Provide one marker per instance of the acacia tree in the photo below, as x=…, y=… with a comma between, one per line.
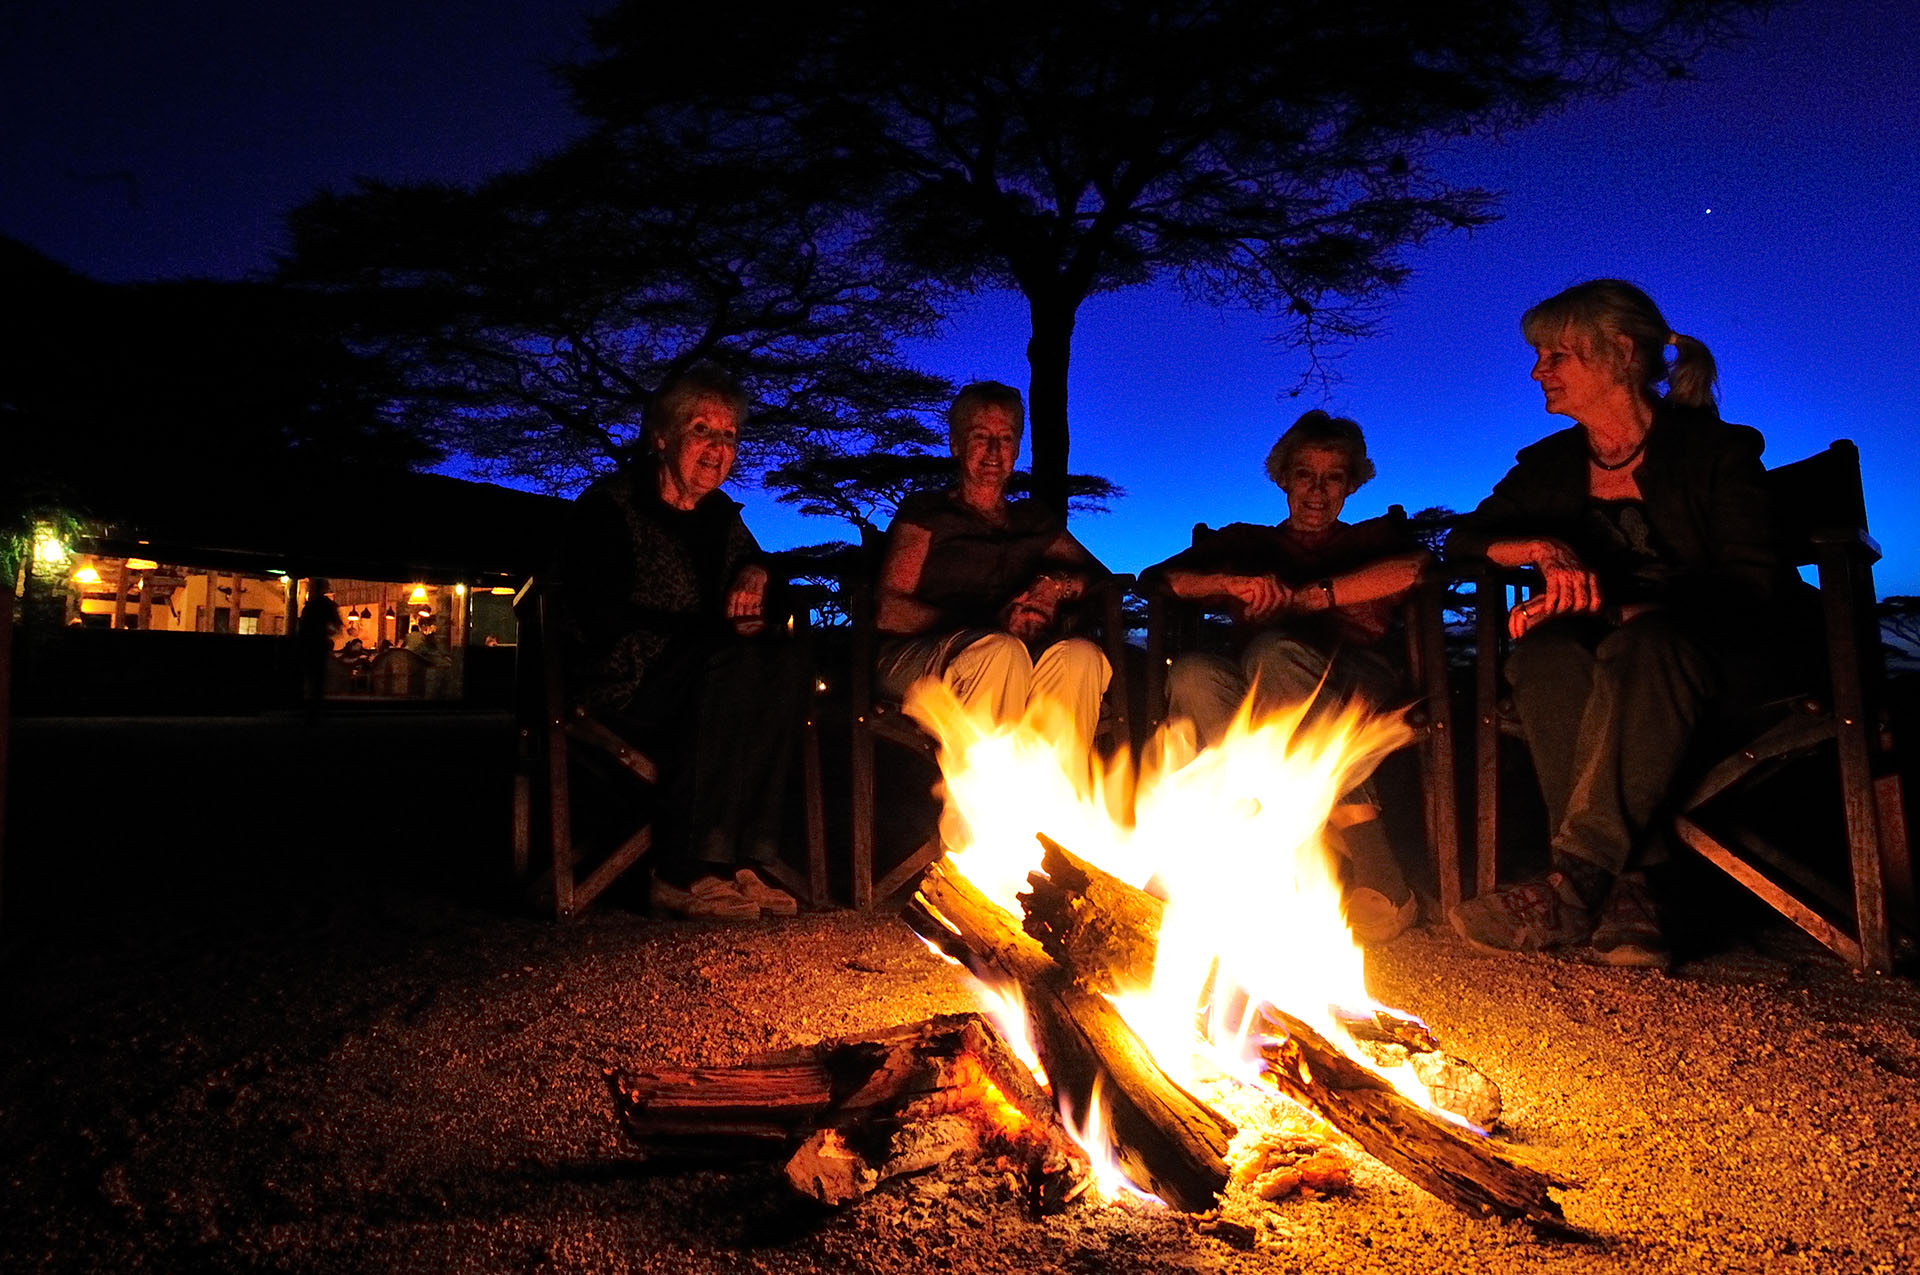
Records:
x=531, y=318
x=1267, y=155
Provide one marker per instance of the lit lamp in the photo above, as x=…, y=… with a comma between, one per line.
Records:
x=86, y=575
x=47, y=548
x=419, y=593
x=459, y=590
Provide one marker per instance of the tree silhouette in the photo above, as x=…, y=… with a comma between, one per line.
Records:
x=531, y=318
x=1269, y=156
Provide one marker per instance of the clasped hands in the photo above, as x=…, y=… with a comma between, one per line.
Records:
x=1033, y=609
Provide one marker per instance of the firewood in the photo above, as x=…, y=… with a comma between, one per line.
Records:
x=851, y=1113
x=1166, y=1141
x=1464, y=1169
x=1468, y=1171
x=1106, y=931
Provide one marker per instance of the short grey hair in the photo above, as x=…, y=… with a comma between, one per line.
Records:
x=679, y=398
x=977, y=397
x=1317, y=429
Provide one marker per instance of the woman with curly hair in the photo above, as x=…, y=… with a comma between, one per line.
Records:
x=1312, y=600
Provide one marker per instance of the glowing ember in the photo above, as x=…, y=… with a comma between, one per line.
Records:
x=1232, y=838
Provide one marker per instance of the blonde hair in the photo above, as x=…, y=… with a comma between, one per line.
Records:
x=1598, y=310
x=1317, y=429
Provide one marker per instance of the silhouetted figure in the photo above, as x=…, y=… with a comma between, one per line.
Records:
x=320, y=623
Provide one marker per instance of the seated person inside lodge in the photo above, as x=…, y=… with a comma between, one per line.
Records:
x=1311, y=599
x=971, y=583
x=1664, y=602
x=666, y=594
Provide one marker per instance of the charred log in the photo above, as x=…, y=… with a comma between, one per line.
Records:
x=848, y=1114
x=1167, y=1141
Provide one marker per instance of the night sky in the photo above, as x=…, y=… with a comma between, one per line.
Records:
x=1769, y=206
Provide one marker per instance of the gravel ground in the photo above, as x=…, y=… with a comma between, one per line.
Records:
x=387, y=1079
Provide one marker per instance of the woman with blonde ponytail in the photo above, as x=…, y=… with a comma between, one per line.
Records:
x=1662, y=601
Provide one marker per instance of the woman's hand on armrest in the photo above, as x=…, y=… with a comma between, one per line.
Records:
x=747, y=600
x=1569, y=587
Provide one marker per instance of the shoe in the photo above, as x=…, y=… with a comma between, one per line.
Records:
x=708, y=899
x=1528, y=917
x=1628, y=935
x=771, y=898
x=1373, y=919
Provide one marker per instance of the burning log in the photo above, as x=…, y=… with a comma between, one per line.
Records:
x=862, y=1110
x=1106, y=931
x=1166, y=1141
x=1469, y=1172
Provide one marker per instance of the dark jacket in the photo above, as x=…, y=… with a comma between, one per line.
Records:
x=641, y=575
x=1705, y=498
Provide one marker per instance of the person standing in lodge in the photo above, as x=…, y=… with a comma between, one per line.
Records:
x=1312, y=603
x=320, y=623
x=971, y=583
x=666, y=592
x=1664, y=601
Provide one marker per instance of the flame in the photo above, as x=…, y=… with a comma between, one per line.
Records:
x=1231, y=837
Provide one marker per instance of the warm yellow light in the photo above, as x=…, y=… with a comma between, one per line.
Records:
x=47, y=548
x=459, y=590
x=419, y=593
x=503, y=590
x=86, y=575
x=142, y=564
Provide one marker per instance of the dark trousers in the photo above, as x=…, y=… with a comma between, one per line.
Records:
x=721, y=722
x=1609, y=715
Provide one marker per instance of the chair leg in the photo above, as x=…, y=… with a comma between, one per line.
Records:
x=1490, y=617
x=862, y=830
x=522, y=823
x=1896, y=861
x=560, y=821
x=816, y=812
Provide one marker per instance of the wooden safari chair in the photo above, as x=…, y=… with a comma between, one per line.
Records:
x=1173, y=626
x=879, y=718
x=557, y=734
x=1821, y=511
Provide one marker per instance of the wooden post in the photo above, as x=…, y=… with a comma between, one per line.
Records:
x=120, y=597
x=6, y=726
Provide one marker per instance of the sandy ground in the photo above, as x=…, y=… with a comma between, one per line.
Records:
x=389, y=1080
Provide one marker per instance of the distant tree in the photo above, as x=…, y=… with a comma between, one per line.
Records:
x=1271, y=156
x=1900, y=626
x=530, y=319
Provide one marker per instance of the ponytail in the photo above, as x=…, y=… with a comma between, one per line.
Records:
x=1692, y=378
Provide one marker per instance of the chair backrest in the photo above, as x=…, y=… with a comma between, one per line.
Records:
x=1818, y=499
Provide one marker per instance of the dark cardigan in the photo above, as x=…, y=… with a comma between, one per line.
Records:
x=1704, y=494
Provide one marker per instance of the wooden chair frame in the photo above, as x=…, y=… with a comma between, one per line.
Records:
x=1822, y=511
x=553, y=726
x=874, y=718
x=1431, y=715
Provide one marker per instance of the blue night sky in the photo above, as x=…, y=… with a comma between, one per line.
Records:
x=1769, y=205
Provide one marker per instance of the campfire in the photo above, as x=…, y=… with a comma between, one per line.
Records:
x=1176, y=1006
